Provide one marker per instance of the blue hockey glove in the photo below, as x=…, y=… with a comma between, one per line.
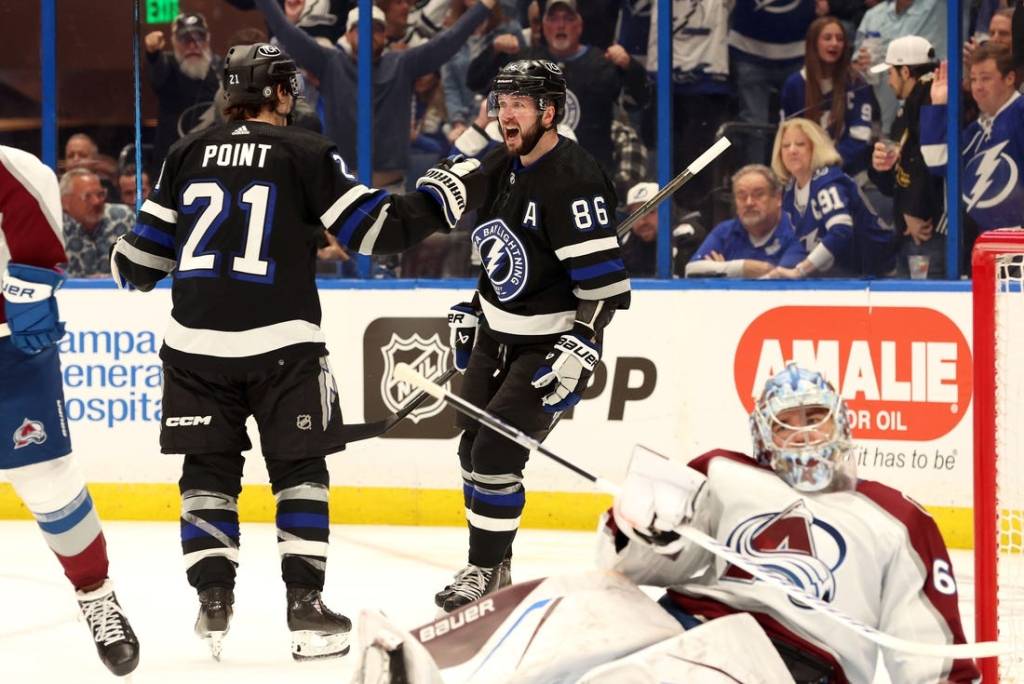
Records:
x=463, y=320
x=567, y=368
x=31, y=307
x=444, y=183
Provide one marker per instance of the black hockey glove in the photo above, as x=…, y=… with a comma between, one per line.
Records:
x=463, y=320
x=566, y=370
x=445, y=183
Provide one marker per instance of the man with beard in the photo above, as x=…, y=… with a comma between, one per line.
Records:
x=552, y=279
x=185, y=81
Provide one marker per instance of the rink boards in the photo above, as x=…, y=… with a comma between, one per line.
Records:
x=678, y=374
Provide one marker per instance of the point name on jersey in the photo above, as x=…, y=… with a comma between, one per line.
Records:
x=235, y=154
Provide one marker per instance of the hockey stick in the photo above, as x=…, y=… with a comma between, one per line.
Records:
x=708, y=156
x=360, y=431
x=988, y=649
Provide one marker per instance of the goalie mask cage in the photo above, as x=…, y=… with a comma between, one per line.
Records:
x=997, y=261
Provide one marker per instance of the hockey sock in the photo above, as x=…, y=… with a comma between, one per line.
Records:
x=209, y=537
x=54, y=491
x=302, y=532
x=496, y=504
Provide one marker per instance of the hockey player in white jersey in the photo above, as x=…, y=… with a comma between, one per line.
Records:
x=797, y=509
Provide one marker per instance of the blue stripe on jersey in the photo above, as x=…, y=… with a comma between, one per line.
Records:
x=511, y=500
x=290, y=520
x=588, y=272
x=358, y=215
x=154, y=235
x=190, y=531
x=66, y=518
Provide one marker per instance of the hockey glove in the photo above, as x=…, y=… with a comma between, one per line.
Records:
x=463, y=320
x=657, y=496
x=566, y=370
x=445, y=184
x=31, y=307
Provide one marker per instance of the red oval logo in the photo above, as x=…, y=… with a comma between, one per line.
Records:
x=904, y=372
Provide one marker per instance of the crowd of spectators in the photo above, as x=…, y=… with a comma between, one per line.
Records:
x=824, y=100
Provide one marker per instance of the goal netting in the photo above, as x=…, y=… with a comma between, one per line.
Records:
x=998, y=275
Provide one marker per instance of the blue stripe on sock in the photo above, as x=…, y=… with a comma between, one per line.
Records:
x=190, y=531
x=70, y=516
x=517, y=498
x=291, y=520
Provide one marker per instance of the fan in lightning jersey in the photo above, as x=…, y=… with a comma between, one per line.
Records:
x=993, y=146
x=800, y=512
x=236, y=217
x=841, y=232
x=552, y=278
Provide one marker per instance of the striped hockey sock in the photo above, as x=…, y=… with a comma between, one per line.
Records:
x=302, y=533
x=73, y=534
x=495, y=505
x=209, y=537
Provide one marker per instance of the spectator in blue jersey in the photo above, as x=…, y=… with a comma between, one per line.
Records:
x=640, y=245
x=766, y=44
x=888, y=20
x=898, y=168
x=702, y=98
x=394, y=75
x=760, y=238
x=838, y=227
x=828, y=91
x=993, y=146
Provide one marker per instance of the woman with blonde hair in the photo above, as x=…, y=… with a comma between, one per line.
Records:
x=838, y=226
x=828, y=91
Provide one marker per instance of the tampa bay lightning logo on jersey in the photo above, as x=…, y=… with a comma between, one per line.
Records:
x=504, y=259
x=991, y=176
x=571, y=118
x=776, y=6
x=29, y=432
x=792, y=546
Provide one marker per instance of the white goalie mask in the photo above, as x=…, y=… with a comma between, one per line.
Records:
x=800, y=429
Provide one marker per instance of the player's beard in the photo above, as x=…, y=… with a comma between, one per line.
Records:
x=528, y=139
x=196, y=66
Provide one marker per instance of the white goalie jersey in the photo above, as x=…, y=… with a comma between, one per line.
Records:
x=871, y=552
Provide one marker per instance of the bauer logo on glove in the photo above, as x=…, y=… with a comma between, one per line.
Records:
x=567, y=370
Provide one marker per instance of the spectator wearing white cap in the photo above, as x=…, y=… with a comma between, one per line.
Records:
x=185, y=81
x=898, y=167
x=640, y=245
x=760, y=238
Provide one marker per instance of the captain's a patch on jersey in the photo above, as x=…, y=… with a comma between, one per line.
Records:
x=504, y=259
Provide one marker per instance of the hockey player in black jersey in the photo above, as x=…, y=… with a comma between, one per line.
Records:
x=552, y=279
x=235, y=218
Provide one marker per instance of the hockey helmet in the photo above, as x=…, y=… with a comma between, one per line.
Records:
x=800, y=428
x=541, y=79
x=252, y=71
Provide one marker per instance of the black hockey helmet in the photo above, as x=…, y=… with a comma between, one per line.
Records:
x=540, y=78
x=252, y=71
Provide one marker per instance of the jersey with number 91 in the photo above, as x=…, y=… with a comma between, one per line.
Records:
x=546, y=239
x=236, y=217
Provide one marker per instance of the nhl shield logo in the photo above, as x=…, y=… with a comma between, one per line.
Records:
x=30, y=432
x=426, y=355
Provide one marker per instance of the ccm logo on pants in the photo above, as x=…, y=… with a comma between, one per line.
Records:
x=187, y=421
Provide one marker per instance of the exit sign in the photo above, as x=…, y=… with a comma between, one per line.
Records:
x=161, y=11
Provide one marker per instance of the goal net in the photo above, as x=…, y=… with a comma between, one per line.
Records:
x=998, y=275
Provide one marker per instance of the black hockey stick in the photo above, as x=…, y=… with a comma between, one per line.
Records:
x=987, y=649
x=708, y=156
x=360, y=431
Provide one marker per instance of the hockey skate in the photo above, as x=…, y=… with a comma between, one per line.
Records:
x=472, y=582
x=505, y=579
x=317, y=631
x=214, y=617
x=116, y=643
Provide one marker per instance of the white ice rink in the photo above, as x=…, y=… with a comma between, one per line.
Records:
x=393, y=569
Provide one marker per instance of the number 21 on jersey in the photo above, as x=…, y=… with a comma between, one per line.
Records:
x=213, y=203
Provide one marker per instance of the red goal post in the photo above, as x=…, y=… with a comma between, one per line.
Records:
x=997, y=262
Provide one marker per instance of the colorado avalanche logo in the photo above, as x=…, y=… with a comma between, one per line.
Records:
x=994, y=175
x=572, y=110
x=793, y=547
x=30, y=432
x=504, y=258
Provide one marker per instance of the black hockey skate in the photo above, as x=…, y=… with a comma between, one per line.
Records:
x=214, y=617
x=317, y=631
x=504, y=579
x=473, y=582
x=116, y=643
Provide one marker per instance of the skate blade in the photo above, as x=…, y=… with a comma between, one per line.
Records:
x=312, y=645
x=215, y=641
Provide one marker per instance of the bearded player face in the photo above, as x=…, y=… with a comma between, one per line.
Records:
x=521, y=123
